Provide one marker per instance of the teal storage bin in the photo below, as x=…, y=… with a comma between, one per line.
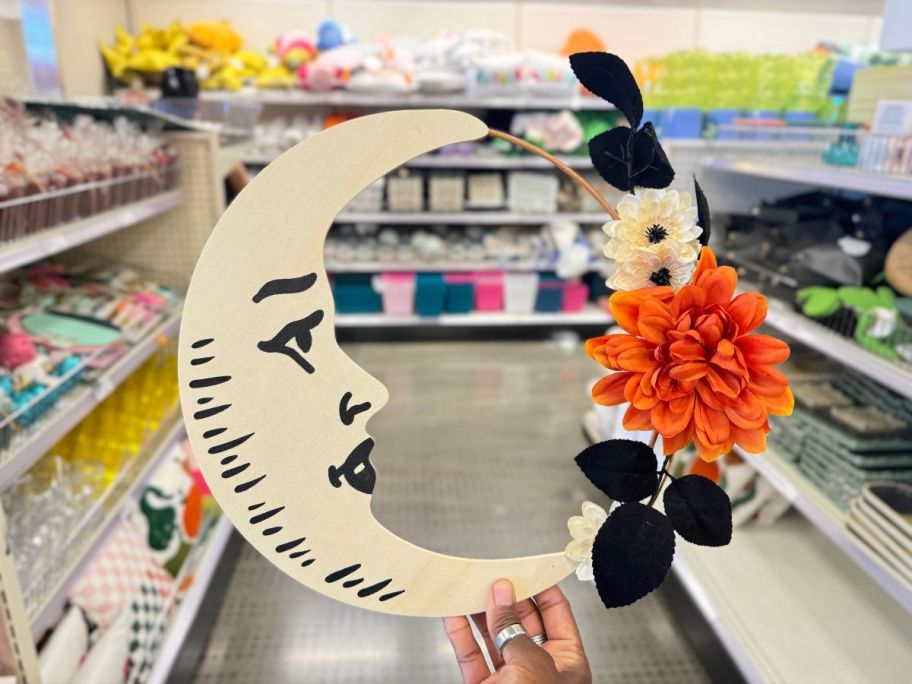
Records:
x=355, y=293
x=460, y=292
x=550, y=294
x=430, y=293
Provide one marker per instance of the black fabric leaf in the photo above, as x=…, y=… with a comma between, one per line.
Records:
x=610, y=155
x=623, y=469
x=650, y=167
x=700, y=510
x=702, y=213
x=631, y=554
x=607, y=76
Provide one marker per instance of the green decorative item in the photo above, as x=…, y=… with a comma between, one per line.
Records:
x=67, y=331
x=819, y=302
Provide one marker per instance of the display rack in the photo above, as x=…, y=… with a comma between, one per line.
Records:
x=121, y=494
x=203, y=570
x=467, y=218
x=591, y=315
x=442, y=266
x=885, y=185
x=840, y=626
x=469, y=162
x=45, y=243
x=72, y=408
x=342, y=98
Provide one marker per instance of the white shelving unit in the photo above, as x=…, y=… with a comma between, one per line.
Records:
x=472, y=162
x=203, y=571
x=591, y=315
x=467, y=218
x=882, y=184
x=79, y=403
x=52, y=241
x=829, y=520
x=441, y=266
x=52, y=605
x=895, y=375
x=343, y=98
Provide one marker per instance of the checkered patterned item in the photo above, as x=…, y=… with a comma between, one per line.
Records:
x=146, y=628
x=116, y=575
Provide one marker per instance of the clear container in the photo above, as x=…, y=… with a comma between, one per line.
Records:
x=520, y=291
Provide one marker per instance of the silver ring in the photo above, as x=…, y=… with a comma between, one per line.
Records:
x=506, y=635
x=538, y=639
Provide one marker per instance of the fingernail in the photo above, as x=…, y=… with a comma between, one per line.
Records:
x=503, y=593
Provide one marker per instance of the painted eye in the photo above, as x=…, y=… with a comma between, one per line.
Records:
x=300, y=333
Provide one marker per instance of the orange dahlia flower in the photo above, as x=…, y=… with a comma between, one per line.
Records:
x=689, y=365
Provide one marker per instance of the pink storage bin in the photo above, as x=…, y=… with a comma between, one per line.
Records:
x=575, y=296
x=398, y=291
x=489, y=290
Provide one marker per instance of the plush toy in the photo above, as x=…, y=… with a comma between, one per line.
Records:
x=331, y=69
x=293, y=48
x=331, y=34
x=215, y=35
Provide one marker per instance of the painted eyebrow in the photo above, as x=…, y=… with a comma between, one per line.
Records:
x=285, y=286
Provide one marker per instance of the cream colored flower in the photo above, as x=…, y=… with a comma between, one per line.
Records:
x=651, y=219
x=583, y=529
x=649, y=267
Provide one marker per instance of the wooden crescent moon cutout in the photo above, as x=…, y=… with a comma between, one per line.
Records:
x=277, y=413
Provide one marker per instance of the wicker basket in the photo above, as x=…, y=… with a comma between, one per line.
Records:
x=446, y=192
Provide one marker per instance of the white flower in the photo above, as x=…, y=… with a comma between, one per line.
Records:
x=652, y=219
x=648, y=267
x=583, y=529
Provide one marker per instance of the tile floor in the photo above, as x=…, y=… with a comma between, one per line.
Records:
x=474, y=457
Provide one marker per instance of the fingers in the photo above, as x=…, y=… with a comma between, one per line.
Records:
x=531, y=620
x=482, y=625
x=502, y=613
x=556, y=615
x=471, y=661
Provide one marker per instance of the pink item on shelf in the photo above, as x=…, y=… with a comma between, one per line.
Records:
x=398, y=293
x=575, y=296
x=16, y=348
x=489, y=290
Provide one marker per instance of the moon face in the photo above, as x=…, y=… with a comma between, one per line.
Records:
x=277, y=413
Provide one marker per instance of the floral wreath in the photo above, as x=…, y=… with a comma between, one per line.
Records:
x=688, y=363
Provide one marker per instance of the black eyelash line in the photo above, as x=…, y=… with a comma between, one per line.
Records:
x=209, y=412
x=265, y=515
x=209, y=382
x=199, y=344
x=201, y=360
x=285, y=286
x=214, y=432
x=229, y=445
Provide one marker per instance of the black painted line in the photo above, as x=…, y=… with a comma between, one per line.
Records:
x=268, y=532
x=307, y=562
x=210, y=381
x=209, y=412
x=228, y=459
x=352, y=583
x=244, y=486
x=228, y=446
x=265, y=515
x=253, y=507
x=289, y=545
x=285, y=286
x=201, y=360
x=231, y=472
x=344, y=572
x=392, y=594
x=199, y=344
x=374, y=588
x=204, y=400
x=214, y=432
x=298, y=554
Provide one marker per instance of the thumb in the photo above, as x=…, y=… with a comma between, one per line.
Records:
x=501, y=613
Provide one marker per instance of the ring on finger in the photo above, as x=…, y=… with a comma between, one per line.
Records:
x=507, y=634
x=538, y=639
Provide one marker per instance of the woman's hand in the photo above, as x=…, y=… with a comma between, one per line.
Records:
x=560, y=660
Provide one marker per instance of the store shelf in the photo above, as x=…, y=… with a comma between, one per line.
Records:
x=885, y=185
x=788, y=606
x=342, y=98
x=104, y=107
x=441, y=266
x=202, y=570
x=486, y=162
x=51, y=607
x=75, y=406
x=68, y=235
x=591, y=315
x=895, y=375
x=821, y=513
x=466, y=218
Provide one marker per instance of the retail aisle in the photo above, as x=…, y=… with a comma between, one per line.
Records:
x=475, y=457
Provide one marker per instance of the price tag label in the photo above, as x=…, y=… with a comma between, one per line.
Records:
x=56, y=244
x=103, y=388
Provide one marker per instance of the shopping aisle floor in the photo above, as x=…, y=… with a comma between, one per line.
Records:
x=474, y=457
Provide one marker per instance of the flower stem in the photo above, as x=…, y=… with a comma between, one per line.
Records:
x=578, y=179
x=652, y=440
x=655, y=494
